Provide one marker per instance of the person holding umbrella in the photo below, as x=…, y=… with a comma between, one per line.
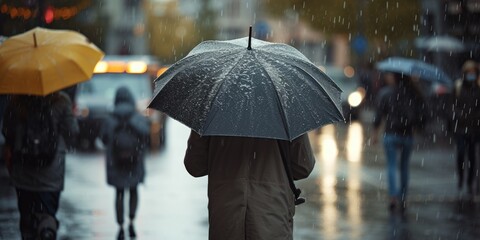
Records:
x=38, y=185
x=401, y=106
x=248, y=191
x=249, y=104
x=465, y=117
x=39, y=125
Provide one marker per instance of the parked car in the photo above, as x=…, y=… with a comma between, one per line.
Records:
x=353, y=94
x=95, y=98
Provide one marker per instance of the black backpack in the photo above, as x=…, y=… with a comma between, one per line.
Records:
x=126, y=144
x=37, y=138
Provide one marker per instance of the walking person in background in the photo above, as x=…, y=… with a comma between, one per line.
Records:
x=37, y=132
x=466, y=122
x=401, y=106
x=125, y=134
x=248, y=187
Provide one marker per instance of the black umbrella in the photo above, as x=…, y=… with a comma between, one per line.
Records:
x=266, y=90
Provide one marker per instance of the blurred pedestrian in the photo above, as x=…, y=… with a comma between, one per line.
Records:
x=125, y=134
x=248, y=186
x=466, y=122
x=38, y=131
x=401, y=106
x=369, y=80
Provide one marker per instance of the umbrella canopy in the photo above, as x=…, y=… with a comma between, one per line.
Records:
x=413, y=67
x=266, y=90
x=42, y=61
x=444, y=44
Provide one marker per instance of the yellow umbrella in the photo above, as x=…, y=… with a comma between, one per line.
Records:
x=42, y=61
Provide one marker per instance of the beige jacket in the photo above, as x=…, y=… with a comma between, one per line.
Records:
x=248, y=189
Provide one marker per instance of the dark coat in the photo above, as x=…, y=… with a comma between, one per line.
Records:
x=466, y=108
x=402, y=109
x=49, y=178
x=117, y=175
x=248, y=189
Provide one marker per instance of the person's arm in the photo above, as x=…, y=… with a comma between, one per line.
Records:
x=69, y=125
x=105, y=130
x=196, y=156
x=379, y=112
x=377, y=121
x=302, y=158
x=8, y=132
x=141, y=124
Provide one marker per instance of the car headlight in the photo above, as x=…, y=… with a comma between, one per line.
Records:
x=355, y=98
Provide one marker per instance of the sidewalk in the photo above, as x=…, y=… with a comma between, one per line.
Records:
x=346, y=195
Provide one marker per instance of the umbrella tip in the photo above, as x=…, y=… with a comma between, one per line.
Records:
x=250, y=38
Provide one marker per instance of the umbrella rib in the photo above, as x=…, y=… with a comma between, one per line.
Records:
x=283, y=115
x=208, y=119
x=320, y=85
x=181, y=65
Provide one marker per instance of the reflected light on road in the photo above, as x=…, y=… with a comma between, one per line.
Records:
x=328, y=144
x=354, y=199
x=354, y=142
x=329, y=214
x=353, y=153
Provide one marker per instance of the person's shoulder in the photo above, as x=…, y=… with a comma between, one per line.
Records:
x=64, y=97
x=60, y=98
x=141, y=116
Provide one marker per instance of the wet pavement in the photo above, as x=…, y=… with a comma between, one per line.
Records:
x=346, y=194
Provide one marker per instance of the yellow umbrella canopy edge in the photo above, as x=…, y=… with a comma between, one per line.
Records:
x=42, y=61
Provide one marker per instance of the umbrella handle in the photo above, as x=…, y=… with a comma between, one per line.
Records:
x=250, y=39
x=34, y=40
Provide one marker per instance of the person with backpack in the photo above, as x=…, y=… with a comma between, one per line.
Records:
x=38, y=131
x=402, y=106
x=466, y=123
x=125, y=134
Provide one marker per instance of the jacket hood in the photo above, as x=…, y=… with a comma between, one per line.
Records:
x=124, y=95
x=124, y=102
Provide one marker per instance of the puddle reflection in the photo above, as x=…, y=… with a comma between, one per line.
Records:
x=329, y=214
x=354, y=142
x=337, y=164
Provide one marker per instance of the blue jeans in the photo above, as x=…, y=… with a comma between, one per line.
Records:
x=394, y=144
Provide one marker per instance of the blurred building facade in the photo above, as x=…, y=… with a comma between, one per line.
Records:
x=232, y=18
x=125, y=34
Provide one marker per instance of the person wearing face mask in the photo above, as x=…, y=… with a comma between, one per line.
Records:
x=466, y=123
